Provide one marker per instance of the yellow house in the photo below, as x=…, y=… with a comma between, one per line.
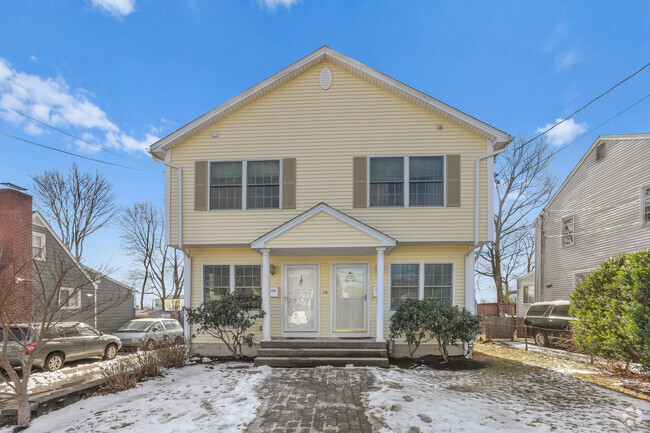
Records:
x=335, y=192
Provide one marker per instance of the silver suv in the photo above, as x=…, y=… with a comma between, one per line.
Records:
x=148, y=333
x=66, y=342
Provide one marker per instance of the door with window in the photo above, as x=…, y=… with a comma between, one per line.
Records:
x=350, y=299
x=301, y=298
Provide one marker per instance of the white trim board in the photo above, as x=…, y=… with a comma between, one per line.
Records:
x=323, y=54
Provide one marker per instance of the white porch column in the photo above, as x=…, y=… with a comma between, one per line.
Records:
x=470, y=292
x=380, y=294
x=266, y=294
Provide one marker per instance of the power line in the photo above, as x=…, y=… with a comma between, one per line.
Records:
x=76, y=154
x=586, y=105
x=596, y=127
x=71, y=135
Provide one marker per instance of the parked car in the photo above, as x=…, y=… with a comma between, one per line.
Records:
x=150, y=332
x=66, y=342
x=548, y=322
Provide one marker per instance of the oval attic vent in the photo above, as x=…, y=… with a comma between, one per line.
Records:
x=325, y=78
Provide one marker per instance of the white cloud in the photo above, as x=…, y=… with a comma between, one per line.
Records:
x=272, y=5
x=52, y=101
x=564, y=132
x=117, y=8
x=566, y=59
x=33, y=58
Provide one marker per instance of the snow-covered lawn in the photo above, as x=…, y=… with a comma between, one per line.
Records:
x=494, y=399
x=197, y=398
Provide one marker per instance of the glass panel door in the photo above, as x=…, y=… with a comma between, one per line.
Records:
x=351, y=296
x=301, y=297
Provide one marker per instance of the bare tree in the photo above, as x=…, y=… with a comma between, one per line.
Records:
x=177, y=273
x=56, y=284
x=524, y=183
x=141, y=226
x=79, y=203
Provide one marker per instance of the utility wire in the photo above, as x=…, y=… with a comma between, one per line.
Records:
x=596, y=127
x=586, y=105
x=76, y=154
x=71, y=135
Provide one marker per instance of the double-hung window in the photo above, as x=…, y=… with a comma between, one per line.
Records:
x=69, y=298
x=645, y=203
x=245, y=184
x=529, y=294
x=568, y=231
x=419, y=281
x=407, y=181
x=38, y=246
x=218, y=280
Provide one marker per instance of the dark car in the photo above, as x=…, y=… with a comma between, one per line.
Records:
x=548, y=322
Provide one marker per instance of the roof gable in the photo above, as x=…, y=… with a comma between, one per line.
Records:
x=500, y=138
x=322, y=215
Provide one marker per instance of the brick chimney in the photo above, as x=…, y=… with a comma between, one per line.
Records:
x=16, y=253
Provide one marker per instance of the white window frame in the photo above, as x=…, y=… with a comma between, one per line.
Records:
x=420, y=279
x=244, y=184
x=70, y=291
x=527, y=286
x=41, y=256
x=232, y=274
x=643, y=204
x=582, y=272
x=573, y=234
x=406, y=179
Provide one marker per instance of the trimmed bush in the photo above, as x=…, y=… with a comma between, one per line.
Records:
x=429, y=319
x=228, y=320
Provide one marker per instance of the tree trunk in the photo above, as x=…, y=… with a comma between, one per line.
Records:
x=24, y=410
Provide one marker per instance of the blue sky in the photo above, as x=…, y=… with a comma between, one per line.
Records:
x=120, y=73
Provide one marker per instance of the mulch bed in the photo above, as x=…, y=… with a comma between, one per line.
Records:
x=435, y=362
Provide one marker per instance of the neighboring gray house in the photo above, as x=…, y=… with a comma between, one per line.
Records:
x=94, y=299
x=601, y=209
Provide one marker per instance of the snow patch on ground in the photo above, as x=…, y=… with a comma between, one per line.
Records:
x=480, y=401
x=200, y=398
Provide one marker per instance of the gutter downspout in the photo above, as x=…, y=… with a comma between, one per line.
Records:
x=180, y=198
x=477, y=190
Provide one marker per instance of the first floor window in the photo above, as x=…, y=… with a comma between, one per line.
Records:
x=645, y=202
x=568, y=233
x=405, y=282
x=68, y=298
x=218, y=280
x=529, y=294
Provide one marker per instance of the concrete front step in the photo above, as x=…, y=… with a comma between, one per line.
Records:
x=310, y=352
x=318, y=343
x=321, y=361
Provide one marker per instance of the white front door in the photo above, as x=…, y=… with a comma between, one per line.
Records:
x=350, y=298
x=301, y=298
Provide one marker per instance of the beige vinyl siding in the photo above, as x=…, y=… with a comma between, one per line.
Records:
x=322, y=230
x=201, y=256
x=604, y=198
x=324, y=131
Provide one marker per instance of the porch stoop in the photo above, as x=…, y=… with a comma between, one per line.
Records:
x=320, y=352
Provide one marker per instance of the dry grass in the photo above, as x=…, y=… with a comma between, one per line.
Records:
x=631, y=384
x=119, y=376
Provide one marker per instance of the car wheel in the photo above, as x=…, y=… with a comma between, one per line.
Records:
x=150, y=345
x=110, y=352
x=53, y=362
x=178, y=340
x=541, y=339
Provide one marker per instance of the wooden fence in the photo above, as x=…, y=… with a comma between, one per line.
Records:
x=499, y=327
x=491, y=309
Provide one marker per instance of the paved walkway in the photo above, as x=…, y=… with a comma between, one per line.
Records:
x=314, y=400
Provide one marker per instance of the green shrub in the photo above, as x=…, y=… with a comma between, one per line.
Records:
x=612, y=308
x=228, y=320
x=430, y=319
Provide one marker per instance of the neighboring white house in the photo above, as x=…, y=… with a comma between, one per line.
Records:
x=602, y=209
x=525, y=292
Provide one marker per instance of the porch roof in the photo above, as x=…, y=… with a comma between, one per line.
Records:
x=323, y=230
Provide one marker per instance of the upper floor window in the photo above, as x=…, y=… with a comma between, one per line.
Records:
x=38, y=246
x=645, y=203
x=245, y=184
x=600, y=152
x=407, y=181
x=69, y=298
x=568, y=234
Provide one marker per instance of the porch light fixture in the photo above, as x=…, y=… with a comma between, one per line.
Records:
x=350, y=277
x=272, y=269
